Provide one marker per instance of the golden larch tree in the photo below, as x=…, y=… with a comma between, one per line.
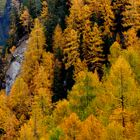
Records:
x=34, y=53
x=57, y=41
x=70, y=47
x=92, y=46
x=71, y=127
x=91, y=129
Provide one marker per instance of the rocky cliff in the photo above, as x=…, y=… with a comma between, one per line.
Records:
x=15, y=62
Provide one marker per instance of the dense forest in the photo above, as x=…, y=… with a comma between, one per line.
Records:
x=80, y=77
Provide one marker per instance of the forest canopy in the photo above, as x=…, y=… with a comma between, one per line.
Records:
x=80, y=77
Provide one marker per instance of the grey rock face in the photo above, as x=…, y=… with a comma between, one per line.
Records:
x=15, y=64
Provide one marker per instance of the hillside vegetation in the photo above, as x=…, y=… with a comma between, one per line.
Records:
x=80, y=78
x=2, y=6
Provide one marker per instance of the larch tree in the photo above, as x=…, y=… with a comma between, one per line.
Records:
x=107, y=16
x=26, y=20
x=115, y=52
x=44, y=76
x=114, y=131
x=118, y=9
x=131, y=16
x=9, y=124
x=131, y=39
x=127, y=14
x=42, y=86
x=31, y=129
x=75, y=10
x=20, y=100
x=42, y=100
x=34, y=53
x=26, y=132
x=124, y=91
x=79, y=67
x=132, y=56
x=71, y=127
x=80, y=11
x=61, y=112
x=56, y=134
x=44, y=12
x=91, y=129
x=137, y=132
x=83, y=93
x=70, y=47
x=40, y=110
x=57, y=42
x=132, y=52
x=92, y=46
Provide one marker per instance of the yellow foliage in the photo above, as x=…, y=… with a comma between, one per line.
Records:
x=42, y=80
x=20, y=100
x=131, y=14
x=115, y=52
x=8, y=121
x=48, y=64
x=57, y=40
x=92, y=45
x=25, y=19
x=122, y=78
x=71, y=127
x=91, y=129
x=34, y=53
x=61, y=111
x=75, y=11
x=26, y=133
x=84, y=92
x=42, y=102
x=79, y=67
x=132, y=56
x=13, y=49
x=108, y=16
x=44, y=12
x=131, y=39
x=19, y=93
x=70, y=47
x=114, y=132
x=137, y=131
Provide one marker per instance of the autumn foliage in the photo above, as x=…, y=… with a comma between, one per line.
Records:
x=80, y=78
